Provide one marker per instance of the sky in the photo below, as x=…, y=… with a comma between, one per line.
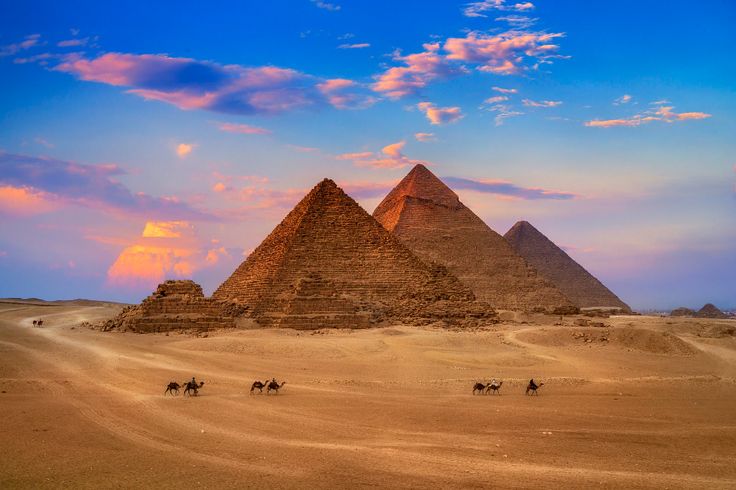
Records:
x=141, y=141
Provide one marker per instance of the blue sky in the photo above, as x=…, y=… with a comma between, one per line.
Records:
x=142, y=141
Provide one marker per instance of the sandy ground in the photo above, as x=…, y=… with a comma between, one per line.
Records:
x=643, y=403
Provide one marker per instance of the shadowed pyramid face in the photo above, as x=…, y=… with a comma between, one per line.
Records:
x=559, y=268
x=428, y=217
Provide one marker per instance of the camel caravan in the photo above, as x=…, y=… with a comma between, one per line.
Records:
x=192, y=388
x=495, y=388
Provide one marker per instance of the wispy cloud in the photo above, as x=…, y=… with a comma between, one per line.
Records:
x=28, y=42
x=354, y=46
x=541, y=103
x=332, y=7
x=624, y=99
x=662, y=114
x=242, y=128
x=92, y=186
x=73, y=42
x=192, y=84
x=505, y=90
x=440, y=115
x=425, y=137
x=479, y=9
x=505, y=188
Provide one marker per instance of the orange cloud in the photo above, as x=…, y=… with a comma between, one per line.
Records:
x=165, y=249
x=391, y=156
x=24, y=201
x=184, y=149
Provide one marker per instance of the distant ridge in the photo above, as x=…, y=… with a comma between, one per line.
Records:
x=329, y=263
x=552, y=262
x=429, y=218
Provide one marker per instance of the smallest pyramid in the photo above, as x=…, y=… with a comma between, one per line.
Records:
x=710, y=311
x=553, y=263
x=175, y=305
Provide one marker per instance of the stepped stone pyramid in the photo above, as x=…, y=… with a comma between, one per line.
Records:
x=329, y=263
x=553, y=263
x=175, y=305
x=428, y=217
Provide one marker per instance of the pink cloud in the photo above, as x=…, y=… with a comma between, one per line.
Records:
x=336, y=90
x=496, y=99
x=505, y=90
x=191, y=84
x=25, y=201
x=419, y=70
x=184, y=149
x=505, y=53
x=440, y=115
x=242, y=128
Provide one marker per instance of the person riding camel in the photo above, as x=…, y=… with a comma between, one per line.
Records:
x=532, y=384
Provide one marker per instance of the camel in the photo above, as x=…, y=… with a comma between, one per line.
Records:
x=35, y=322
x=479, y=387
x=172, y=388
x=257, y=385
x=192, y=386
x=273, y=385
x=495, y=387
x=39, y=323
x=533, y=387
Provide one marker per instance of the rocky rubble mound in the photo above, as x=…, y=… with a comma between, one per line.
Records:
x=175, y=305
x=682, y=311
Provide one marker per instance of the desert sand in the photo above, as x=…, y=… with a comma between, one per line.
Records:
x=645, y=402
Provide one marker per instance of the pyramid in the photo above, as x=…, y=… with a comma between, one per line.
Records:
x=431, y=221
x=175, y=305
x=329, y=263
x=553, y=263
x=710, y=311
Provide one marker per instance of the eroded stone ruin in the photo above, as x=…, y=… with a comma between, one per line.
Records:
x=175, y=305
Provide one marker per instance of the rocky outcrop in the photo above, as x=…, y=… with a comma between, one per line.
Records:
x=175, y=305
x=329, y=263
x=428, y=217
x=561, y=270
x=710, y=311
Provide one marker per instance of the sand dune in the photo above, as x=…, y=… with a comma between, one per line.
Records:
x=650, y=406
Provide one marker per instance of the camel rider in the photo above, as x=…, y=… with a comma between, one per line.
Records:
x=494, y=382
x=533, y=384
